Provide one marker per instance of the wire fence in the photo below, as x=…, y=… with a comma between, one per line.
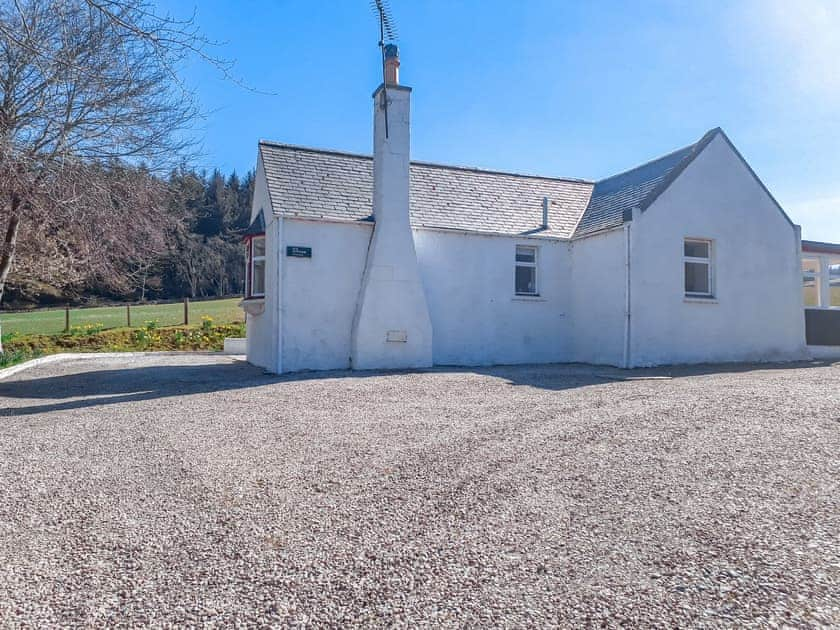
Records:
x=69, y=318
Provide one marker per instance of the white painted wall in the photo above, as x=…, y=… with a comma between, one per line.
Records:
x=262, y=331
x=757, y=314
x=469, y=285
x=597, y=288
x=476, y=317
x=320, y=293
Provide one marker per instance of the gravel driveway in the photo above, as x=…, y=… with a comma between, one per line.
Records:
x=176, y=491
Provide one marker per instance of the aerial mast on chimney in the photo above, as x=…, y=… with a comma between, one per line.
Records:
x=388, y=29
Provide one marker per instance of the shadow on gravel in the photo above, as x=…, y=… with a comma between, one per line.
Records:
x=106, y=387
x=564, y=375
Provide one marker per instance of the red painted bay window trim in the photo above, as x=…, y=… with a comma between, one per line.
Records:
x=249, y=279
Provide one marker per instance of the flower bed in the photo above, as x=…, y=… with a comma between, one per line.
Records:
x=149, y=337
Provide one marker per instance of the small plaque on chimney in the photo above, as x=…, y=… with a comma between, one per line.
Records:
x=299, y=252
x=396, y=335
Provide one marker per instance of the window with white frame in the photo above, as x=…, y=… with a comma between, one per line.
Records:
x=256, y=267
x=526, y=270
x=697, y=267
x=811, y=279
x=834, y=285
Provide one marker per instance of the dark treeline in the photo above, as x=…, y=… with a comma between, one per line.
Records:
x=148, y=238
x=206, y=256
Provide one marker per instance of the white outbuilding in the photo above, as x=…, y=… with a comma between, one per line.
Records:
x=381, y=262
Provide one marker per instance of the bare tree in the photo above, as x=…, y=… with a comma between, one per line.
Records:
x=101, y=226
x=84, y=82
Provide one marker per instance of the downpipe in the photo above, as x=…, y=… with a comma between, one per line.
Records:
x=278, y=327
x=627, y=362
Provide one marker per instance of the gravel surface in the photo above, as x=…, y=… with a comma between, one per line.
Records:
x=199, y=491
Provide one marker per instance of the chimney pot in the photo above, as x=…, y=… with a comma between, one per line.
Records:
x=392, y=65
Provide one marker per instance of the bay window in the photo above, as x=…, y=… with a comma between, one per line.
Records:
x=255, y=276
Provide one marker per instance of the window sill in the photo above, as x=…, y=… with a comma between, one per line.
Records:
x=823, y=308
x=696, y=299
x=253, y=305
x=527, y=298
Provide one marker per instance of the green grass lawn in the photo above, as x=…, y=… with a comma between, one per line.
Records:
x=51, y=321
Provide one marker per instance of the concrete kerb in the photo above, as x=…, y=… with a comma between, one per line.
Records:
x=127, y=356
x=824, y=353
x=603, y=372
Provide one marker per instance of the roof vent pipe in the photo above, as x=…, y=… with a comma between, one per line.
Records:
x=545, y=213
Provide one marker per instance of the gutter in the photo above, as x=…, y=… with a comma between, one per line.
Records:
x=430, y=228
x=599, y=232
x=482, y=233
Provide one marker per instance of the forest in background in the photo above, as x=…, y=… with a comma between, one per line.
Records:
x=99, y=198
x=154, y=238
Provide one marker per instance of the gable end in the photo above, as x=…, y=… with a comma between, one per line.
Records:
x=698, y=148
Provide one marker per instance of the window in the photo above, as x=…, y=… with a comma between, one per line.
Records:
x=697, y=264
x=256, y=267
x=811, y=281
x=834, y=285
x=526, y=270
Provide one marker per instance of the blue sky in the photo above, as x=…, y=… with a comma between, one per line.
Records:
x=580, y=89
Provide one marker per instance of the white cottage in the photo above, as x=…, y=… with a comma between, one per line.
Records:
x=380, y=262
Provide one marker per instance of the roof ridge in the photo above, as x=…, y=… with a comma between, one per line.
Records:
x=476, y=169
x=300, y=147
x=694, y=150
x=648, y=163
x=637, y=187
x=454, y=167
x=582, y=214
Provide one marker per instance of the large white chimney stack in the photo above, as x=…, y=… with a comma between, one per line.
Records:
x=391, y=328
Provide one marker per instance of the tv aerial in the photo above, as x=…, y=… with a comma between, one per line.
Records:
x=387, y=29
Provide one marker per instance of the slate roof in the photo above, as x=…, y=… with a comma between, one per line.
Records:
x=821, y=247
x=317, y=184
x=257, y=226
x=614, y=196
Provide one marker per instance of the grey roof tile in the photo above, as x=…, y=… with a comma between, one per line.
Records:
x=613, y=196
x=316, y=184
x=319, y=184
x=821, y=246
x=257, y=226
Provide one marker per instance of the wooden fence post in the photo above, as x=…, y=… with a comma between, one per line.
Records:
x=186, y=311
x=66, y=319
x=128, y=315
